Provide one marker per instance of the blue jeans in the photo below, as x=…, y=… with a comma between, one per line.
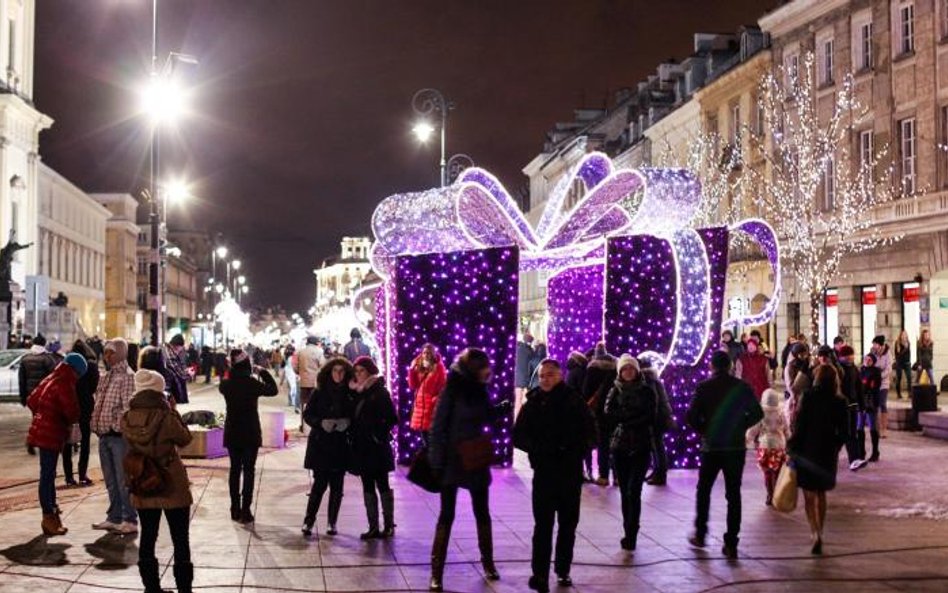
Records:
x=112, y=450
x=294, y=393
x=47, y=480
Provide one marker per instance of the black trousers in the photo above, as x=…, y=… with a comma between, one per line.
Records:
x=555, y=498
x=853, y=447
x=603, y=451
x=373, y=482
x=333, y=481
x=659, y=455
x=86, y=431
x=630, y=471
x=243, y=463
x=731, y=464
x=178, y=524
x=480, y=501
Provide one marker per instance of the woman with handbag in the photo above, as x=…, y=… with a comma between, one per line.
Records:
x=819, y=431
x=154, y=431
x=631, y=406
x=461, y=453
x=329, y=413
x=373, y=458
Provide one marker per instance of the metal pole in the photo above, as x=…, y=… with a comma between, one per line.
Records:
x=154, y=290
x=444, y=123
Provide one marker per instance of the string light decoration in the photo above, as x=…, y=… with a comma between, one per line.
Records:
x=454, y=301
x=806, y=145
x=575, y=301
x=641, y=310
x=766, y=238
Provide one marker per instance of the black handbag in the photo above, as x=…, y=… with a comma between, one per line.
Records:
x=421, y=473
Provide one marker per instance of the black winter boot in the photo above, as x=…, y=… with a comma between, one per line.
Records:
x=874, y=435
x=860, y=444
x=183, y=577
x=439, y=554
x=371, y=500
x=388, y=513
x=151, y=578
x=485, y=542
x=335, y=503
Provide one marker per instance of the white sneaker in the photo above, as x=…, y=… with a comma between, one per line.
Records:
x=126, y=528
x=105, y=526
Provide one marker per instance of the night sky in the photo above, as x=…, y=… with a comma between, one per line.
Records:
x=300, y=109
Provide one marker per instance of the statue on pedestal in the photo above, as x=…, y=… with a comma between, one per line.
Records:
x=6, y=261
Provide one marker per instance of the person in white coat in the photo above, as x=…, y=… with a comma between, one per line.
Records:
x=308, y=362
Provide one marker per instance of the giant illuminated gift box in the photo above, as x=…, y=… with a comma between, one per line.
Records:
x=655, y=292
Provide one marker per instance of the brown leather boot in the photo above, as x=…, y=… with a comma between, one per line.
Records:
x=439, y=554
x=52, y=525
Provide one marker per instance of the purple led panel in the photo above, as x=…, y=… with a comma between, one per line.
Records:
x=575, y=300
x=640, y=274
x=640, y=301
x=455, y=300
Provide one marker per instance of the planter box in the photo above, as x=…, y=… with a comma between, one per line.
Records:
x=205, y=444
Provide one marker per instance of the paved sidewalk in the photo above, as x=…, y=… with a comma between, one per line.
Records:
x=887, y=531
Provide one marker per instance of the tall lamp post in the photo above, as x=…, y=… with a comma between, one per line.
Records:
x=162, y=100
x=427, y=103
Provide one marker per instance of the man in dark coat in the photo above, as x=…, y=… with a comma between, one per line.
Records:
x=555, y=428
x=851, y=388
x=723, y=408
x=34, y=367
x=522, y=368
x=600, y=377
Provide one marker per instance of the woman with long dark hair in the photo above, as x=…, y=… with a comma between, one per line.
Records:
x=329, y=413
x=85, y=391
x=820, y=430
x=461, y=452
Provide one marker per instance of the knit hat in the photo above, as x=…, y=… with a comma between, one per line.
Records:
x=367, y=363
x=873, y=358
x=119, y=346
x=771, y=399
x=77, y=362
x=146, y=380
x=627, y=360
x=846, y=351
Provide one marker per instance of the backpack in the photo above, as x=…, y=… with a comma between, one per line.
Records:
x=144, y=476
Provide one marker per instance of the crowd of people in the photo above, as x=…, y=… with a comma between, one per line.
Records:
x=597, y=405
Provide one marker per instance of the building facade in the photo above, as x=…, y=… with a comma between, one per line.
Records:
x=896, y=52
x=339, y=277
x=122, y=315
x=71, y=248
x=179, y=280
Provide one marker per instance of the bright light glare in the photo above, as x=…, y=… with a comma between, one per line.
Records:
x=222, y=252
x=177, y=191
x=423, y=131
x=235, y=264
x=241, y=279
x=245, y=289
x=163, y=100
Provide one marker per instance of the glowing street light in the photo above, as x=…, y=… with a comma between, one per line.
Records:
x=423, y=131
x=162, y=99
x=177, y=191
x=235, y=264
x=221, y=252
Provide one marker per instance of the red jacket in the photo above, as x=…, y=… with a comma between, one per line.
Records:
x=754, y=370
x=427, y=388
x=55, y=408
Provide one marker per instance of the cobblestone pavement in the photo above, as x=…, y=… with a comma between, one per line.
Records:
x=887, y=531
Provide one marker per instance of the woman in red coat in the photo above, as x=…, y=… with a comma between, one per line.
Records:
x=426, y=378
x=55, y=408
x=755, y=368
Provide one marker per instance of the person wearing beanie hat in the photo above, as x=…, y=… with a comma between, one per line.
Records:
x=870, y=378
x=113, y=398
x=373, y=457
x=464, y=411
x=77, y=362
x=600, y=377
x=55, y=408
x=770, y=438
x=154, y=430
x=722, y=410
x=851, y=388
x=243, y=435
x=631, y=405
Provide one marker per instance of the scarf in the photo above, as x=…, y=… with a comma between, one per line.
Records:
x=365, y=385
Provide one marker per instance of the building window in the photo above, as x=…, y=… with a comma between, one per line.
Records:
x=829, y=186
x=11, y=46
x=736, y=125
x=906, y=30
x=943, y=18
x=863, y=46
x=865, y=148
x=791, y=71
x=825, y=59
x=908, y=154
x=943, y=146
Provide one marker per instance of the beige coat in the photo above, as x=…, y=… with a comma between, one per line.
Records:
x=308, y=362
x=153, y=429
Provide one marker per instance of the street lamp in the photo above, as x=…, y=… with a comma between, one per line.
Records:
x=163, y=99
x=427, y=103
x=177, y=191
x=456, y=165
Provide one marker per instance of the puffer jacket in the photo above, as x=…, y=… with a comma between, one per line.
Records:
x=772, y=431
x=34, y=367
x=329, y=414
x=308, y=362
x=55, y=408
x=427, y=387
x=156, y=431
x=631, y=407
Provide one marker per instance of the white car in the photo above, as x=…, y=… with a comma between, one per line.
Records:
x=10, y=374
